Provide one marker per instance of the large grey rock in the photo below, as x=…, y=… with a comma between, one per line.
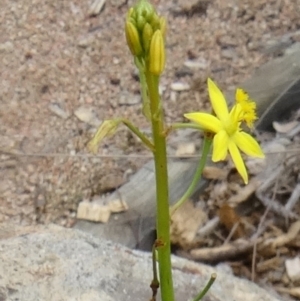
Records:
x=53, y=263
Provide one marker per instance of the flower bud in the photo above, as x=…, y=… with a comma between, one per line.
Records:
x=140, y=23
x=145, y=9
x=155, y=22
x=147, y=36
x=133, y=39
x=157, y=53
x=131, y=13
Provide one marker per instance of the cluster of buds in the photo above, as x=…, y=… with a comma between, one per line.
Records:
x=145, y=34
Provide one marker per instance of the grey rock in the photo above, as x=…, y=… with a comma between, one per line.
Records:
x=54, y=263
x=179, y=86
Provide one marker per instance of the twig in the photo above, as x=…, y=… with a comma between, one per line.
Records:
x=285, y=238
x=232, y=232
x=209, y=227
x=224, y=252
x=294, y=198
x=276, y=207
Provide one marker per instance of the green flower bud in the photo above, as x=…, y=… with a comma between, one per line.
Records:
x=133, y=39
x=157, y=55
x=147, y=36
x=145, y=9
x=140, y=22
x=131, y=13
x=155, y=22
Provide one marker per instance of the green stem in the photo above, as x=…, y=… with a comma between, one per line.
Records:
x=162, y=189
x=207, y=287
x=176, y=126
x=136, y=131
x=206, y=147
x=144, y=89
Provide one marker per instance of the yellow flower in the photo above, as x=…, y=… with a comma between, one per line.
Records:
x=248, y=107
x=226, y=127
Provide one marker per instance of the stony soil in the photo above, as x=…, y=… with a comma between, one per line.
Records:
x=63, y=72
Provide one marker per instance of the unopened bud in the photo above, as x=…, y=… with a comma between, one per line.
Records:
x=131, y=13
x=133, y=39
x=155, y=23
x=157, y=55
x=145, y=9
x=147, y=36
x=140, y=22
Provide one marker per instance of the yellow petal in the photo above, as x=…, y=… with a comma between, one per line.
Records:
x=247, y=144
x=220, y=146
x=238, y=160
x=236, y=113
x=241, y=95
x=217, y=100
x=206, y=121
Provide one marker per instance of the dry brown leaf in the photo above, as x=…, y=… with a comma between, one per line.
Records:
x=185, y=223
x=271, y=245
x=286, y=238
x=224, y=252
x=269, y=264
x=294, y=291
x=244, y=193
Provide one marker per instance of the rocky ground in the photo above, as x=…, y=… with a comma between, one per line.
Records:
x=63, y=72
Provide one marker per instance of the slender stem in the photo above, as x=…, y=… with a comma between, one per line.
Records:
x=144, y=89
x=206, y=288
x=162, y=189
x=206, y=147
x=185, y=126
x=136, y=131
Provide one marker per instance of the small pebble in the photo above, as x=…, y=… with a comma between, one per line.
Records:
x=179, y=86
x=57, y=110
x=87, y=115
x=201, y=65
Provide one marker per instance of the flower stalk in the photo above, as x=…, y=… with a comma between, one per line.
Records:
x=145, y=33
x=162, y=189
x=203, y=159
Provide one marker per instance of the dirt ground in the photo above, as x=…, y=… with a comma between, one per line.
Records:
x=58, y=63
x=63, y=72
